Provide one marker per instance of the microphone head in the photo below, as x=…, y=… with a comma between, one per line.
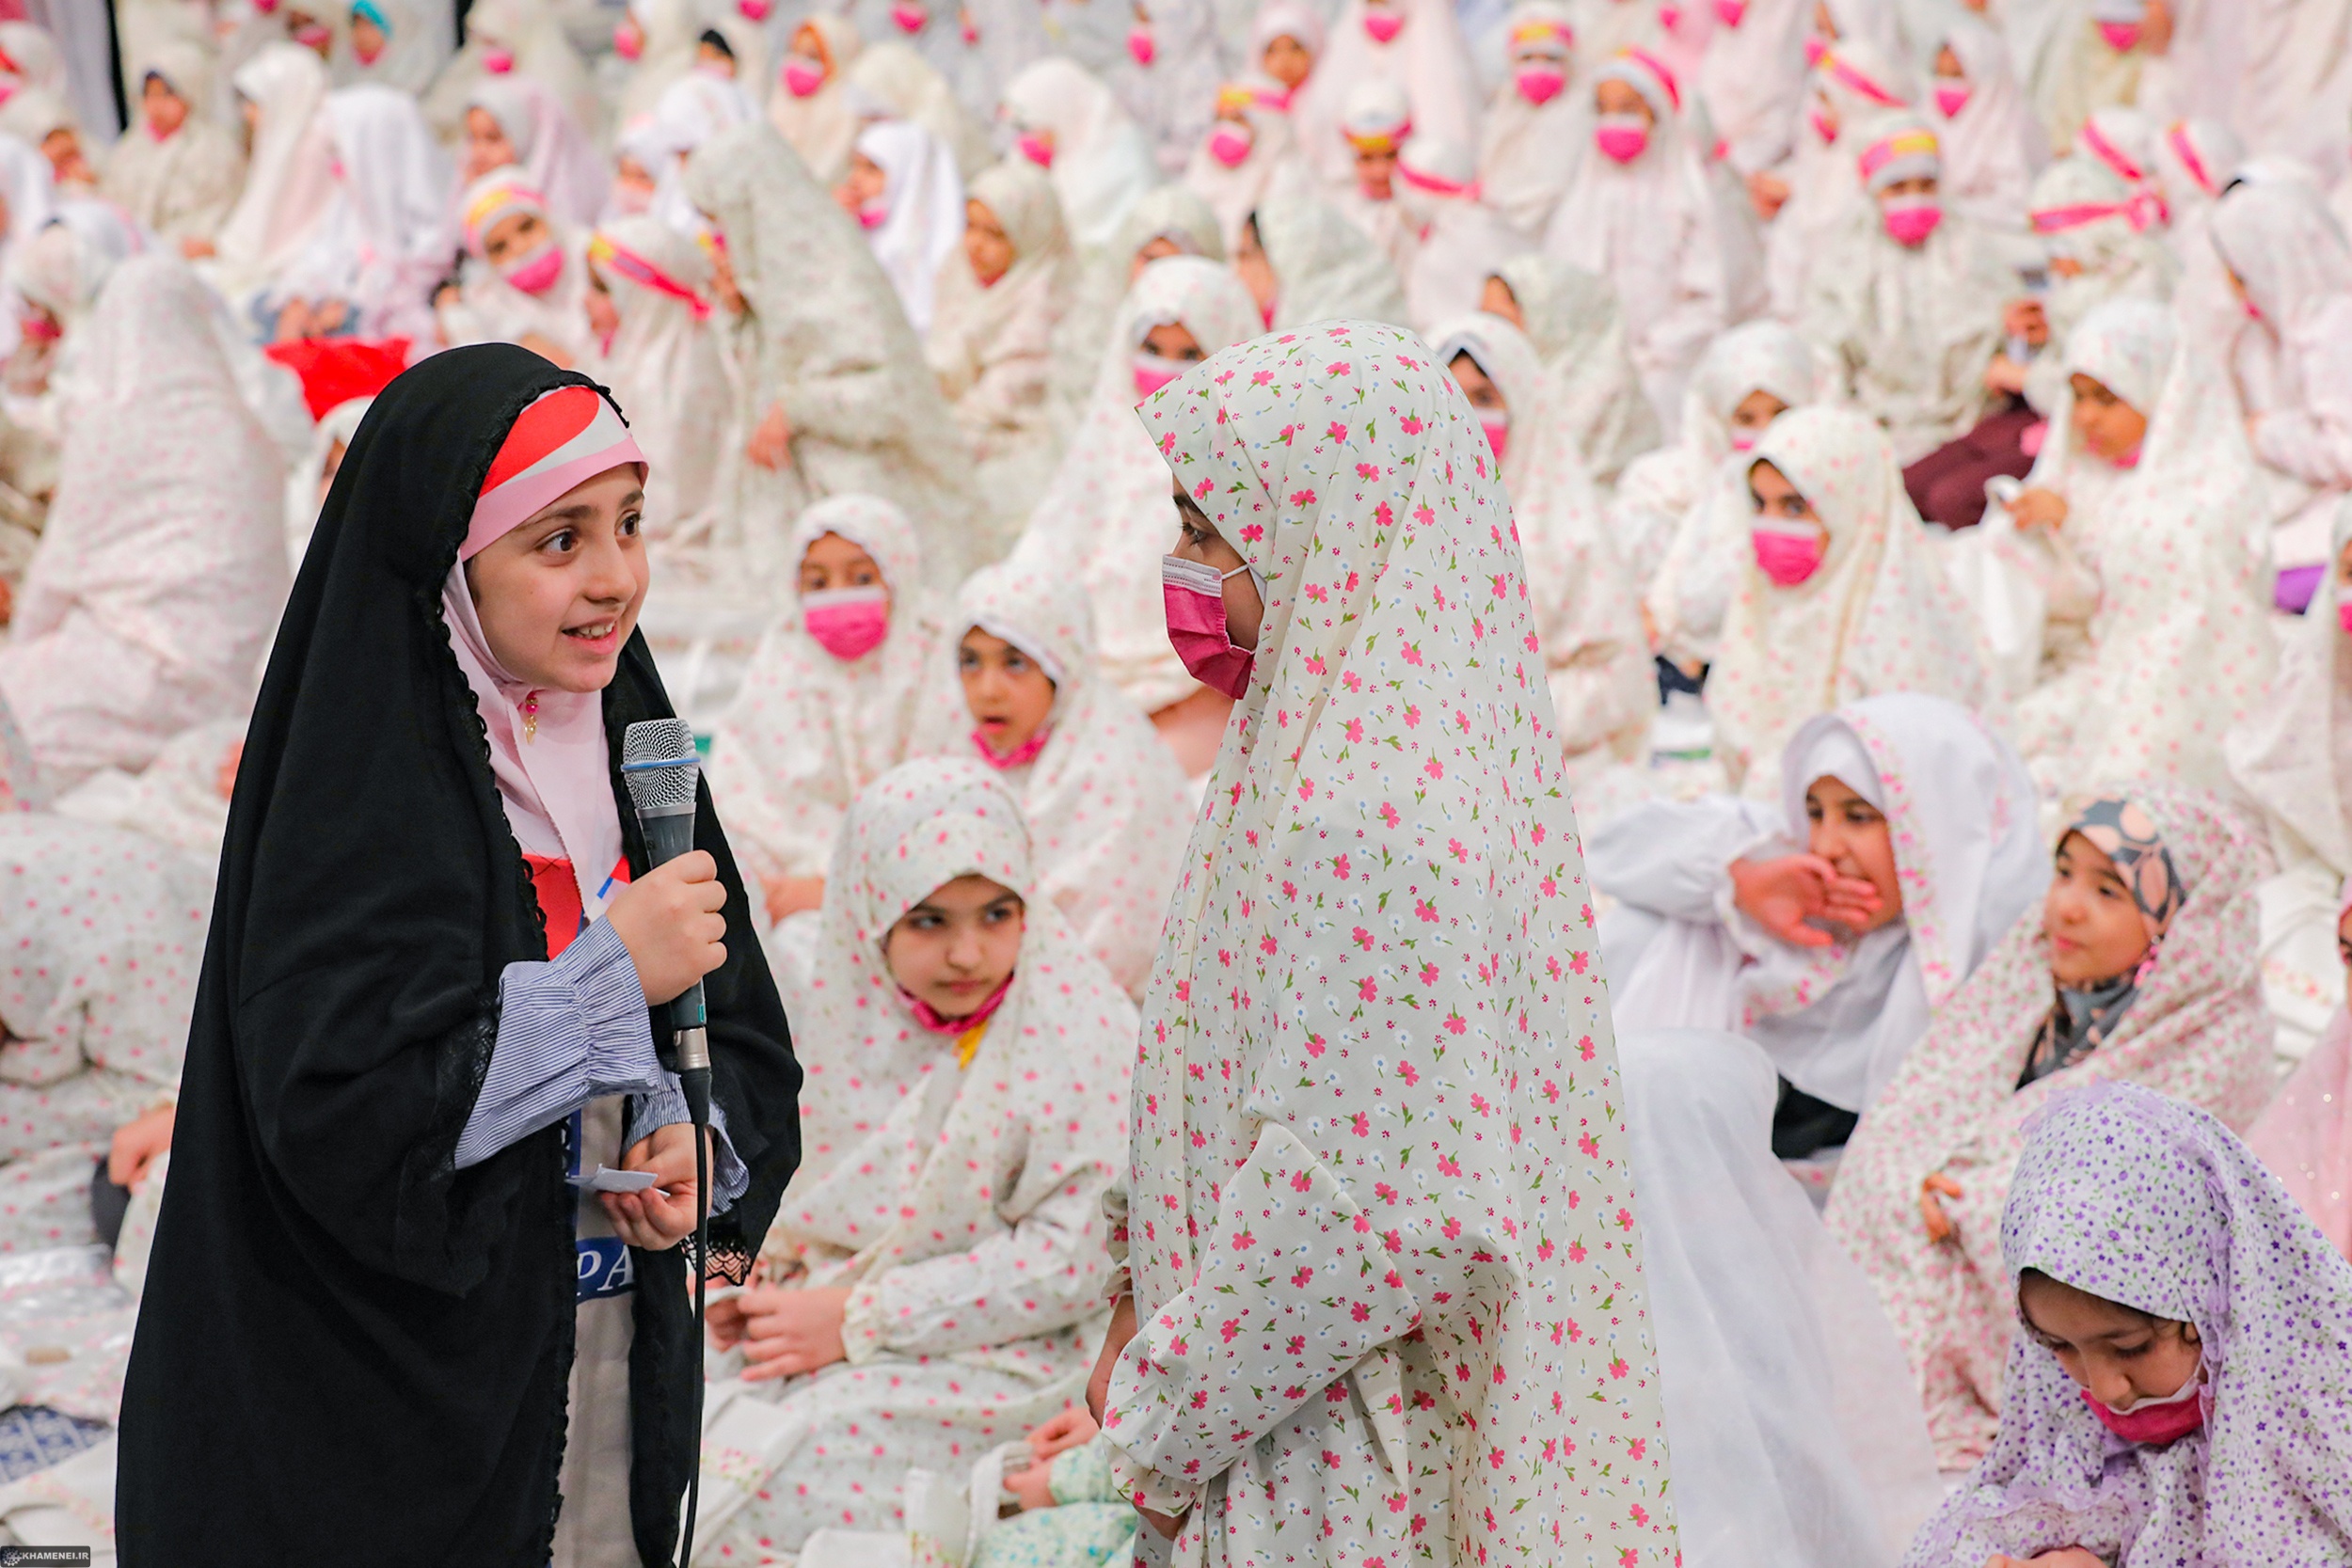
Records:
x=658, y=764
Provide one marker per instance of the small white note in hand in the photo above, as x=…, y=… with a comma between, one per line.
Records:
x=604, y=1178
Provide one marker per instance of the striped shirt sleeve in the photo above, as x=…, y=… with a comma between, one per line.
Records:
x=571, y=1031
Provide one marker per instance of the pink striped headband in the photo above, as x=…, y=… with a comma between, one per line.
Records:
x=1852, y=80
x=2185, y=150
x=2141, y=211
x=564, y=438
x=1438, y=183
x=1657, y=68
x=603, y=253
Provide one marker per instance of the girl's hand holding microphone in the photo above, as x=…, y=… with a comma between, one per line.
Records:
x=669, y=920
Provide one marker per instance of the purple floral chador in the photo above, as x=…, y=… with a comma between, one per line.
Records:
x=2143, y=1200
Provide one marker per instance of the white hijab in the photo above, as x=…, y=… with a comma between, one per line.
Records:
x=1969, y=861
x=1101, y=162
x=923, y=212
x=288, y=180
x=822, y=125
x=1105, y=519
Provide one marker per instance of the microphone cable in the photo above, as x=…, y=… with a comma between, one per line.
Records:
x=695, y=1083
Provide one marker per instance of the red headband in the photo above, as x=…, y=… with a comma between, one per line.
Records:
x=564, y=438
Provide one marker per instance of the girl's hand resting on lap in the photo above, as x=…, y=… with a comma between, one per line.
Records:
x=783, y=1330
x=1783, y=895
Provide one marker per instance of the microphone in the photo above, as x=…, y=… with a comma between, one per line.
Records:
x=658, y=765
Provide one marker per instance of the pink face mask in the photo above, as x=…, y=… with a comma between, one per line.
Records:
x=846, y=623
x=1823, y=125
x=2153, y=1423
x=1743, y=441
x=1229, y=144
x=629, y=40
x=1670, y=17
x=1540, y=83
x=1911, y=219
x=1786, y=559
x=536, y=273
x=2120, y=36
x=873, y=215
x=1020, y=756
x=1141, y=45
x=802, y=77
x=1194, y=596
x=1383, y=25
x=2344, y=615
x=1815, y=47
x=367, y=52
x=313, y=34
x=1154, y=373
x=910, y=18
x=1035, y=148
x=753, y=10
x=267, y=8
x=1949, y=100
x=1498, y=429
x=971, y=29
x=1730, y=12
x=1621, y=136
x=498, y=62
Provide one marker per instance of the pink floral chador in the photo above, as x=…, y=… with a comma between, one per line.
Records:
x=1381, y=1218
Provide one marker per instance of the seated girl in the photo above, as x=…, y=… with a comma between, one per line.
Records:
x=179, y=179
x=158, y=578
x=1595, y=659
x=2175, y=1364
x=1918, y=850
x=652, y=341
x=513, y=120
x=526, y=276
x=1103, y=522
x=935, y=1275
x=105, y=928
x=1303, y=262
x=2096, y=229
x=1248, y=147
x=1840, y=599
x=1681, y=515
x=2290, y=267
x=809, y=102
x=1530, y=117
x=1165, y=220
x=1572, y=316
x=2300, y=1135
x=1905, y=299
x=1639, y=212
x=831, y=700
x=902, y=189
x=1108, y=808
x=2138, y=967
x=2141, y=506
x=2285, y=756
x=992, y=338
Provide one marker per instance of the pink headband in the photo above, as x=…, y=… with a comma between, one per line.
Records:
x=2185, y=150
x=1847, y=76
x=565, y=438
x=1438, y=183
x=2141, y=211
x=2112, y=154
x=1657, y=68
x=627, y=264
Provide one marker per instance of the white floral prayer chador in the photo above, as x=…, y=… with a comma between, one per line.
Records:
x=1380, y=1213
x=955, y=1182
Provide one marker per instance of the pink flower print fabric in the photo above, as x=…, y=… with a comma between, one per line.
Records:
x=1381, y=1218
